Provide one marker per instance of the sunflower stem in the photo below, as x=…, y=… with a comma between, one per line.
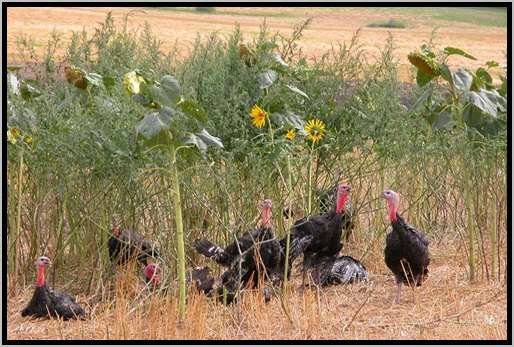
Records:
x=181, y=258
x=288, y=222
x=309, y=193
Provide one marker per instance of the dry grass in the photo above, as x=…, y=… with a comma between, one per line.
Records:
x=446, y=307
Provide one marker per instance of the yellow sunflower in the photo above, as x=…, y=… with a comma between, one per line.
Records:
x=315, y=129
x=13, y=134
x=291, y=134
x=258, y=116
x=28, y=140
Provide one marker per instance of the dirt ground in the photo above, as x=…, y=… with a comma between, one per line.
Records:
x=329, y=26
x=447, y=306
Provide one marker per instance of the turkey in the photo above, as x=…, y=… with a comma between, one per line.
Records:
x=152, y=273
x=322, y=233
x=202, y=279
x=127, y=244
x=406, y=252
x=47, y=302
x=331, y=270
x=253, y=256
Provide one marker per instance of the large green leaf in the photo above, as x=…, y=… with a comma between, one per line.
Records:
x=94, y=79
x=289, y=119
x=29, y=89
x=297, y=91
x=485, y=100
x=446, y=73
x=443, y=120
x=267, y=78
x=422, y=78
x=278, y=59
x=171, y=87
x=192, y=108
x=203, y=140
x=486, y=125
x=155, y=125
x=462, y=79
x=458, y=51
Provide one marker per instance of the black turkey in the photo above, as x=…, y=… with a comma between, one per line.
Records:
x=254, y=256
x=322, y=232
x=127, y=244
x=332, y=270
x=47, y=302
x=202, y=279
x=406, y=252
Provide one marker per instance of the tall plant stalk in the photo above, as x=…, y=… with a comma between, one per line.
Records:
x=471, y=231
x=18, y=214
x=288, y=221
x=181, y=257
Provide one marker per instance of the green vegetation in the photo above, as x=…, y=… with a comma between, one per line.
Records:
x=391, y=23
x=130, y=133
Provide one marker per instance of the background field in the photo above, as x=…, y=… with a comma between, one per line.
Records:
x=83, y=163
x=478, y=30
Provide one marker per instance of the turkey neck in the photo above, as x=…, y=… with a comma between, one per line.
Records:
x=40, y=275
x=392, y=208
x=341, y=201
x=266, y=218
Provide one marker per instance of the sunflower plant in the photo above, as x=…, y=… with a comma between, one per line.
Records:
x=472, y=100
x=173, y=123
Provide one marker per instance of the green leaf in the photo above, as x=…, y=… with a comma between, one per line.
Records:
x=203, y=140
x=94, y=79
x=491, y=63
x=210, y=140
x=422, y=78
x=297, y=91
x=28, y=89
x=483, y=75
x=155, y=125
x=443, y=120
x=289, y=119
x=278, y=59
x=446, y=73
x=462, y=79
x=485, y=100
x=192, y=108
x=267, y=78
x=26, y=120
x=108, y=81
x=171, y=87
x=457, y=51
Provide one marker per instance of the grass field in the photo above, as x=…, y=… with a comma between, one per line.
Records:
x=465, y=28
x=446, y=307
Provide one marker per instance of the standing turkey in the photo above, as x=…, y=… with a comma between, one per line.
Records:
x=47, y=302
x=406, y=252
x=253, y=256
x=127, y=244
x=321, y=234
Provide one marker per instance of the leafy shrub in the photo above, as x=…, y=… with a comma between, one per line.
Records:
x=391, y=23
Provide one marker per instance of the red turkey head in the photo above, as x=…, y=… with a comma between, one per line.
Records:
x=41, y=264
x=43, y=261
x=265, y=207
x=393, y=200
x=343, y=192
x=153, y=274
